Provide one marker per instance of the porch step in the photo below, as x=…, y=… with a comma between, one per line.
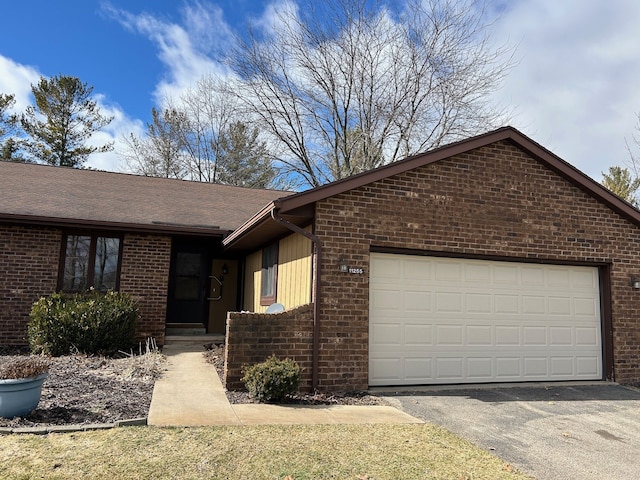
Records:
x=193, y=339
x=185, y=332
x=185, y=329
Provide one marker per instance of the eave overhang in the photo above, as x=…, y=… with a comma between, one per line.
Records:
x=159, y=228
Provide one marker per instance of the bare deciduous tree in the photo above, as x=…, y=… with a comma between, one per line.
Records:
x=209, y=112
x=343, y=86
x=160, y=152
x=200, y=138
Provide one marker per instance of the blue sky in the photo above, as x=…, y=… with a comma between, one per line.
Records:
x=575, y=88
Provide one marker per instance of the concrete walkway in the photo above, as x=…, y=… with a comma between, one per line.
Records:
x=190, y=394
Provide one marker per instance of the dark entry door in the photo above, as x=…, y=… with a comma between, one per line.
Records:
x=188, y=283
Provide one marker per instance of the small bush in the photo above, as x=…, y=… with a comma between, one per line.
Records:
x=272, y=379
x=24, y=367
x=88, y=323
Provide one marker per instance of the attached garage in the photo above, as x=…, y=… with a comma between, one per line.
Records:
x=438, y=320
x=489, y=260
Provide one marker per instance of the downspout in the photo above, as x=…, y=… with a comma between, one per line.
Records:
x=315, y=293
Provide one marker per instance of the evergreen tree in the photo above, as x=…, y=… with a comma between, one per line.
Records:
x=63, y=118
x=243, y=158
x=620, y=181
x=9, y=146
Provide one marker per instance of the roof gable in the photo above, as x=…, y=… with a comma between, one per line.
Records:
x=293, y=204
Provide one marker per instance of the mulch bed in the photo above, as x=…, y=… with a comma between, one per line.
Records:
x=85, y=389
x=215, y=355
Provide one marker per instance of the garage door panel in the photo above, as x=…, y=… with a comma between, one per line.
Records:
x=562, y=367
x=449, y=369
x=387, y=267
x=480, y=335
x=418, y=335
x=448, y=302
x=507, y=336
x=505, y=274
x=535, y=367
x=587, y=337
x=586, y=307
x=447, y=272
x=506, y=304
x=532, y=276
x=480, y=368
x=534, y=336
x=416, y=271
x=560, y=305
x=387, y=299
x=584, y=279
x=418, y=370
x=479, y=303
x=560, y=336
x=386, y=334
x=387, y=370
x=587, y=367
x=449, y=335
x=508, y=368
x=477, y=273
x=460, y=321
x=533, y=304
x=417, y=301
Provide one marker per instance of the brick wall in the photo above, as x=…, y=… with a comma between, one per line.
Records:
x=29, y=260
x=145, y=275
x=28, y=270
x=493, y=201
x=253, y=337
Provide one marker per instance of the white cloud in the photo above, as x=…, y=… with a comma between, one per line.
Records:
x=575, y=89
x=120, y=127
x=271, y=19
x=16, y=79
x=187, y=50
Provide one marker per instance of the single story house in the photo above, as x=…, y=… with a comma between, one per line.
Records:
x=487, y=260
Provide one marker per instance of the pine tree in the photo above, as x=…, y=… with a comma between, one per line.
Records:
x=63, y=118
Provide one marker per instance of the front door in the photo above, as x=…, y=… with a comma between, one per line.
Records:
x=188, y=283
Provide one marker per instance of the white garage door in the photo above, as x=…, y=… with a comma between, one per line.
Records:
x=441, y=320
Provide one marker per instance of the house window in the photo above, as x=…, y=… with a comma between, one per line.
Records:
x=90, y=261
x=269, y=275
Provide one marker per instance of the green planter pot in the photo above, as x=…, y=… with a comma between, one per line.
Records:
x=18, y=397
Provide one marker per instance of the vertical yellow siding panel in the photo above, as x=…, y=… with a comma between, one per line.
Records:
x=294, y=271
x=294, y=274
x=253, y=266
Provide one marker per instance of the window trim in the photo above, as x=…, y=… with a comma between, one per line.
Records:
x=266, y=300
x=93, y=235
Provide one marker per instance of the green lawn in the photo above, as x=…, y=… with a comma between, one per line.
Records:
x=355, y=452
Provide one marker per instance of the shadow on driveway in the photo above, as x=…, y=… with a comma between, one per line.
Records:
x=552, y=432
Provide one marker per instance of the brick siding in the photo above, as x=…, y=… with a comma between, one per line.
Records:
x=29, y=260
x=494, y=201
x=145, y=275
x=28, y=270
x=253, y=337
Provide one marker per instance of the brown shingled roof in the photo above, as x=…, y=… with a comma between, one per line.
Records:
x=63, y=196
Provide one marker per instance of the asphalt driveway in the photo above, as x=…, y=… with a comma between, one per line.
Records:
x=550, y=432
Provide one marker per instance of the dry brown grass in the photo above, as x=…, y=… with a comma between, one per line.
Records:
x=252, y=452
